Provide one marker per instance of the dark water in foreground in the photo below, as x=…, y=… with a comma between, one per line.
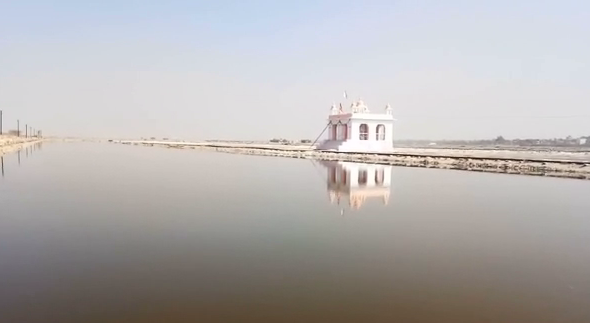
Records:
x=108, y=233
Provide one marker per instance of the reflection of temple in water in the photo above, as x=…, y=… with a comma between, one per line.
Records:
x=357, y=182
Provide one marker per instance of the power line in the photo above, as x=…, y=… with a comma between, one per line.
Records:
x=321, y=133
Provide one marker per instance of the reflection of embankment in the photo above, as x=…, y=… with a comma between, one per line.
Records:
x=20, y=153
x=524, y=166
x=10, y=143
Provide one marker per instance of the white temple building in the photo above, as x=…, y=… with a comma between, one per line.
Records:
x=359, y=130
x=357, y=183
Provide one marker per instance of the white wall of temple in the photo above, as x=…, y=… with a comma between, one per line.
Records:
x=369, y=141
x=346, y=135
x=359, y=130
x=355, y=128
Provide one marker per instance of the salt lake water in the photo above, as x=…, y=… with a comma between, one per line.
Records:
x=93, y=232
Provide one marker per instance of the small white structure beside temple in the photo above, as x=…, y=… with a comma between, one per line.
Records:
x=357, y=183
x=359, y=130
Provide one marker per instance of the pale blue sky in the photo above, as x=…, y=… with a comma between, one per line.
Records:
x=260, y=69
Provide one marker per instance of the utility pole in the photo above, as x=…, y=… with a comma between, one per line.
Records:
x=18, y=128
x=26, y=130
x=0, y=122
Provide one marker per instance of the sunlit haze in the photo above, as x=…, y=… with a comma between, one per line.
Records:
x=263, y=69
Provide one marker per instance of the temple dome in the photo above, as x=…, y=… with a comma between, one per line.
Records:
x=361, y=107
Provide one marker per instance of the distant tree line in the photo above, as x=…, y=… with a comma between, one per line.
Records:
x=568, y=141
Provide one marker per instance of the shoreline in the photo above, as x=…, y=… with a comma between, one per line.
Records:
x=578, y=168
x=10, y=144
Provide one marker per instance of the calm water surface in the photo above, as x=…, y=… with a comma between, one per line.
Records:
x=110, y=233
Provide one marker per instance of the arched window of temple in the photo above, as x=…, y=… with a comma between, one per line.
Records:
x=379, y=176
x=362, y=180
x=334, y=131
x=344, y=129
x=364, y=132
x=380, y=135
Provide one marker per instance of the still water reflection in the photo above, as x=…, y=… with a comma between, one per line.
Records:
x=30, y=149
x=108, y=233
x=357, y=183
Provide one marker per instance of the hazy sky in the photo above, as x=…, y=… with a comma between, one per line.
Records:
x=260, y=69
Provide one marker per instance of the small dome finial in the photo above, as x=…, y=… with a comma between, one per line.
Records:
x=334, y=109
x=388, y=109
